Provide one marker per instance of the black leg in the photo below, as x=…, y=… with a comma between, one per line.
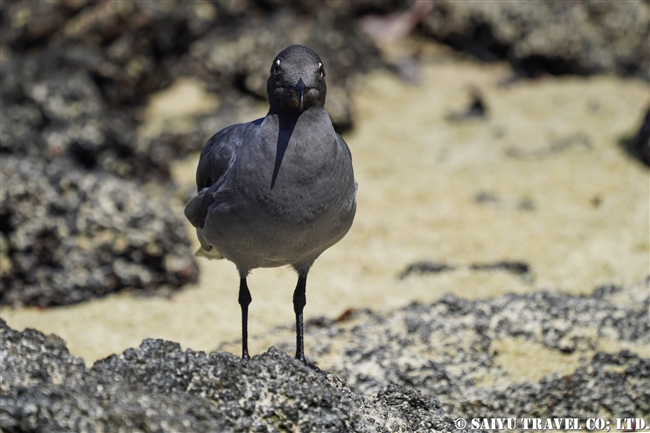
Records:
x=299, y=302
x=244, y=300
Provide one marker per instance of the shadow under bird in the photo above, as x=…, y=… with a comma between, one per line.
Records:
x=279, y=190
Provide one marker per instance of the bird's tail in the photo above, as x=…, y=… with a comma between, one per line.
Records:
x=213, y=254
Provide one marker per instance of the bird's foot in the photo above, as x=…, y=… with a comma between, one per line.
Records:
x=314, y=367
x=307, y=364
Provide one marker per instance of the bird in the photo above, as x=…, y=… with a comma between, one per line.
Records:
x=279, y=190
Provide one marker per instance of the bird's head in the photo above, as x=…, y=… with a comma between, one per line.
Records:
x=296, y=81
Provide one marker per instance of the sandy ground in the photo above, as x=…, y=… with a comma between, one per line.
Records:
x=564, y=199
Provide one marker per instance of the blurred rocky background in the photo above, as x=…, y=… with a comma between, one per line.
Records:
x=82, y=171
x=84, y=208
x=502, y=151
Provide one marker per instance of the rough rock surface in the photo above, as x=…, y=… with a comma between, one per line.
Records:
x=131, y=49
x=72, y=235
x=447, y=350
x=412, y=370
x=159, y=388
x=586, y=37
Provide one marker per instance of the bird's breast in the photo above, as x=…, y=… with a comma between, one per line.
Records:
x=309, y=180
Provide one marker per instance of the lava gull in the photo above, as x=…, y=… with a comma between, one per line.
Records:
x=279, y=190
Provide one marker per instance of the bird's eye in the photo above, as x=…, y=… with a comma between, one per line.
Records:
x=276, y=67
x=321, y=70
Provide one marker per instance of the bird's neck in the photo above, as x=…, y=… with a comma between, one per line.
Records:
x=292, y=116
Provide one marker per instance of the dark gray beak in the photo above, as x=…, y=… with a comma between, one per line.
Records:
x=300, y=88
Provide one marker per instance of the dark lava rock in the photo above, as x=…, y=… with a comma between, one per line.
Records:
x=425, y=268
x=586, y=37
x=579, y=140
x=237, y=55
x=520, y=269
x=612, y=382
x=638, y=145
x=159, y=388
x=56, y=111
x=477, y=109
x=404, y=371
x=131, y=49
x=445, y=350
x=69, y=235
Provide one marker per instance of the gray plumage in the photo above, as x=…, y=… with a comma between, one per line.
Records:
x=279, y=190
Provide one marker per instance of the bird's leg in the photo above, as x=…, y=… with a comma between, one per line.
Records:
x=244, y=300
x=299, y=302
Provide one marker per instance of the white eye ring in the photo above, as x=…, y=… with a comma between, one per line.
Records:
x=276, y=67
x=321, y=71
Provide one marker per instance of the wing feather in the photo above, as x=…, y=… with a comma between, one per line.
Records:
x=216, y=159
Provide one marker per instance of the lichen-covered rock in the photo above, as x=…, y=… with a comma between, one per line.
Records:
x=411, y=370
x=449, y=350
x=159, y=388
x=30, y=358
x=71, y=235
x=56, y=111
x=240, y=54
x=132, y=49
x=616, y=383
x=586, y=37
